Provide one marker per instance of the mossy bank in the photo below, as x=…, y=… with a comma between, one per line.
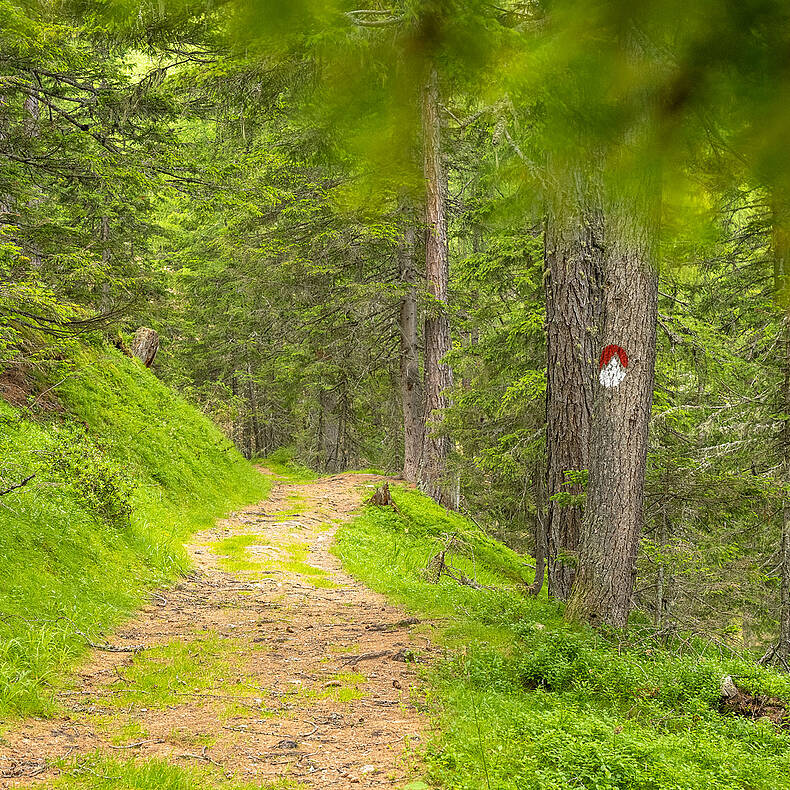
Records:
x=124, y=469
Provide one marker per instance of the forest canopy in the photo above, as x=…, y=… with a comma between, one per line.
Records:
x=533, y=256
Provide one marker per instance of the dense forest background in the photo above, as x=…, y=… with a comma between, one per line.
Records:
x=378, y=236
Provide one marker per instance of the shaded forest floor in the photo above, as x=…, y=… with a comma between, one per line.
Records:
x=266, y=664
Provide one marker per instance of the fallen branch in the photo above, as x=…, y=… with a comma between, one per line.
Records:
x=352, y=661
x=135, y=745
x=110, y=648
x=17, y=485
x=736, y=700
x=393, y=626
x=438, y=566
x=202, y=756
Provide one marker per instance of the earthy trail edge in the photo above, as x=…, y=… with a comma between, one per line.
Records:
x=279, y=677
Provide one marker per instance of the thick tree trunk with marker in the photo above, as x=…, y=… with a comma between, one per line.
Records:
x=574, y=262
x=604, y=580
x=433, y=477
x=411, y=396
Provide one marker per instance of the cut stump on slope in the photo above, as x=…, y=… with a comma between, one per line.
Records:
x=382, y=498
x=751, y=706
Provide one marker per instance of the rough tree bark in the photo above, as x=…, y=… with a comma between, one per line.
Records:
x=604, y=580
x=574, y=263
x=411, y=395
x=433, y=477
x=145, y=344
x=780, y=652
x=541, y=528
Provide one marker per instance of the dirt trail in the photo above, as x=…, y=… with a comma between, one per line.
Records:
x=267, y=661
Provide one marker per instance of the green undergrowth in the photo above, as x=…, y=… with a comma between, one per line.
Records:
x=97, y=772
x=285, y=466
x=123, y=474
x=524, y=700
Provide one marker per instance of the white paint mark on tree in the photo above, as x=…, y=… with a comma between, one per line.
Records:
x=613, y=366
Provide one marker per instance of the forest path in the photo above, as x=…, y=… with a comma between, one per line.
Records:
x=267, y=661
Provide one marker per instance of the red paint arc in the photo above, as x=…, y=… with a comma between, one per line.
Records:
x=609, y=352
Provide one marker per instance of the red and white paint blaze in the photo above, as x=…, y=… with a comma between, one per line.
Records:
x=612, y=366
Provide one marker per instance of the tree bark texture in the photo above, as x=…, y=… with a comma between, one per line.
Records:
x=541, y=528
x=604, y=580
x=145, y=344
x=781, y=254
x=574, y=264
x=411, y=395
x=433, y=478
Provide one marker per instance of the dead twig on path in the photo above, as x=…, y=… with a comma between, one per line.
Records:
x=110, y=648
x=393, y=626
x=136, y=745
x=201, y=756
x=352, y=661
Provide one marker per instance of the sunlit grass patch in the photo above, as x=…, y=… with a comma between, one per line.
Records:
x=129, y=730
x=341, y=649
x=340, y=687
x=184, y=737
x=286, y=468
x=323, y=582
x=97, y=772
x=167, y=674
x=233, y=555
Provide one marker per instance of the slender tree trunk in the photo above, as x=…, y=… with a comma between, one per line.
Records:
x=574, y=263
x=783, y=646
x=780, y=654
x=411, y=395
x=663, y=536
x=541, y=528
x=252, y=397
x=604, y=580
x=433, y=476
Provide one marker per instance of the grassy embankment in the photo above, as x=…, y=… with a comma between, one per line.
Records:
x=524, y=700
x=123, y=475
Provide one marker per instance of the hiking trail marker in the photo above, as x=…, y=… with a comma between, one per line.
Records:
x=612, y=366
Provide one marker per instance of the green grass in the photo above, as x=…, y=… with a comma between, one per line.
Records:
x=283, y=464
x=96, y=772
x=525, y=700
x=233, y=555
x=168, y=674
x=122, y=478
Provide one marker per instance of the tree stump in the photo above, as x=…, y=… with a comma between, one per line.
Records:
x=752, y=706
x=382, y=498
x=145, y=345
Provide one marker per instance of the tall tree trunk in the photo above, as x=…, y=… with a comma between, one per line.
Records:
x=780, y=652
x=604, y=580
x=574, y=263
x=411, y=396
x=541, y=528
x=783, y=646
x=433, y=476
x=663, y=537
